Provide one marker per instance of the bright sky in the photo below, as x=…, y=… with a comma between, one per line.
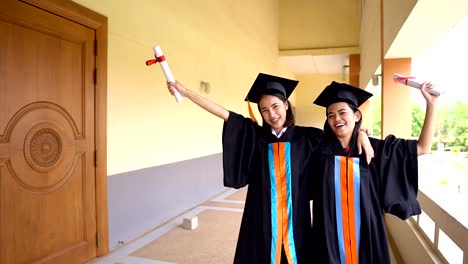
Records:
x=446, y=64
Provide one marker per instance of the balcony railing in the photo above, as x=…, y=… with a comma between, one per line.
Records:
x=446, y=223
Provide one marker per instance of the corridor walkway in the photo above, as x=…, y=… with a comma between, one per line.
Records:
x=213, y=241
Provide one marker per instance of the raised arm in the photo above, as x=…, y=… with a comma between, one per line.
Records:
x=427, y=131
x=201, y=101
x=363, y=142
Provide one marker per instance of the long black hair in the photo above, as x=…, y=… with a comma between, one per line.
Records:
x=290, y=116
x=328, y=132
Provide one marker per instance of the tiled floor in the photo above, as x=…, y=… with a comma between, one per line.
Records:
x=213, y=241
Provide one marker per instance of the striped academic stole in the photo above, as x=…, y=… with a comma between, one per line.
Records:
x=347, y=207
x=279, y=160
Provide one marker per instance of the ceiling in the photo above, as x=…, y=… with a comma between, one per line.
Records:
x=427, y=24
x=322, y=64
x=316, y=37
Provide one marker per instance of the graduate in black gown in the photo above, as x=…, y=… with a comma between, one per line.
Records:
x=272, y=160
x=352, y=196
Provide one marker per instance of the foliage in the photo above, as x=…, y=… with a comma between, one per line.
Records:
x=451, y=124
x=417, y=114
x=377, y=115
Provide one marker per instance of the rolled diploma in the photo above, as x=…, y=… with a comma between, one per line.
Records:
x=167, y=71
x=412, y=83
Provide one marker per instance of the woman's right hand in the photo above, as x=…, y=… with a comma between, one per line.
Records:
x=201, y=101
x=430, y=99
x=176, y=86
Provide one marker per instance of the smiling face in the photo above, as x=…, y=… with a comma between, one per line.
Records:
x=273, y=111
x=342, y=120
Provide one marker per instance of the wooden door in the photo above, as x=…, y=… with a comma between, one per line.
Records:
x=47, y=137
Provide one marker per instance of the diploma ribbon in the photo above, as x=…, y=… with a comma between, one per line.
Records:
x=153, y=61
x=403, y=79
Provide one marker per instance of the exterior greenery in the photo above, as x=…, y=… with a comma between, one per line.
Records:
x=451, y=125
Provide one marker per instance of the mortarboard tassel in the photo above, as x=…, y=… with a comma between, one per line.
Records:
x=251, y=113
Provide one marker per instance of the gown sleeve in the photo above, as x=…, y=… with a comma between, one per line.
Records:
x=399, y=176
x=315, y=163
x=240, y=136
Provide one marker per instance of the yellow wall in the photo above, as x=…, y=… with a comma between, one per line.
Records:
x=310, y=86
x=226, y=43
x=396, y=100
x=318, y=24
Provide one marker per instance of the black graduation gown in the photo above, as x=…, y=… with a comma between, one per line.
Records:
x=351, y=198
x=276, y=222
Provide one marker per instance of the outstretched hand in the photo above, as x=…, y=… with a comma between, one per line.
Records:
x=430, y=99
x=176, y=86
x=428, y=127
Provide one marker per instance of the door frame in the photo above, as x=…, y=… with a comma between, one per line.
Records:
x=98, y=22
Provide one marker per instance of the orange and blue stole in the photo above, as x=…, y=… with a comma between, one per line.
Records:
x=279, y=159
x=347, y=207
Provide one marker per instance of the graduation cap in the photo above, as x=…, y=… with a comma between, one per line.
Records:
x=342, y=92
x=269, y=84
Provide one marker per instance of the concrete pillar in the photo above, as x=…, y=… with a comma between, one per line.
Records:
x=396, y=99
x=354, y=70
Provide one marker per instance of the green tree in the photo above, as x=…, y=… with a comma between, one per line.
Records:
x=377, y=114
x=417, y=115
x=451, y=124
x=454, y=124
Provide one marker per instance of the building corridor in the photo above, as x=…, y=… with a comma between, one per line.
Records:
x=212, y=241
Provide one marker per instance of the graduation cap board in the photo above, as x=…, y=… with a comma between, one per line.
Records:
x=269, y=84
x=341, y=92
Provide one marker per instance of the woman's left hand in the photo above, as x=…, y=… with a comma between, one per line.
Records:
x=363, y=142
